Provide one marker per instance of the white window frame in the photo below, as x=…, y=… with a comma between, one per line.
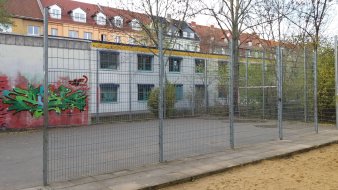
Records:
x=35, y=31
x=185, y=34
x=54, y=32
x=88, y=35
x=192, y=35
x=79, y=15
x=101, y=19
x=55, y=12
x=131, y=41
x=72, y=32
x=135, y=24
x=117, y=39
x=120, y=23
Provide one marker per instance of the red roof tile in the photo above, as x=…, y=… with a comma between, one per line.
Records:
x=24, y=8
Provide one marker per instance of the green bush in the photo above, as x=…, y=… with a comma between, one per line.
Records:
x=169, y=95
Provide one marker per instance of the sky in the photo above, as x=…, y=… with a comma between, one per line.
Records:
x=205, y=20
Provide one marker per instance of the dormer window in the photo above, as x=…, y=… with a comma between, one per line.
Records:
x=55, y=12
x=250, y=44
x=192, y=35
x=100, y=19
x=79, y=15
x=185, y=34
x=135, y=24
x=118, y=21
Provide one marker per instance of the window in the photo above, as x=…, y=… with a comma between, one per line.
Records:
x=101, y=19
x=179, y=91
x=222, y=91
x=55, y=13
x=118, y=21
x=54, y=32
x=117, y=39
x=143, y=91
x=192, y=35
x=249, y=43
x=79, y=15
x=199, y=91
x=131, y=41
x=87, y=35
x=109, y=60
x=185, y=34
x=135, y=24
x=33, y=30
x=73, y=34
x=144, y=62
x=175, y=64
x=199, y=65
x=103, y=37
x=6, y=28
x=108, y=93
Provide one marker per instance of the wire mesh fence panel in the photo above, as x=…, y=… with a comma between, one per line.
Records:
x=256, y=121
x=297, y=91
x=196, y=106
x=114, y=133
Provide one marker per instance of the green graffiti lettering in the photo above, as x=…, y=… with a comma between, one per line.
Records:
x=30, y=100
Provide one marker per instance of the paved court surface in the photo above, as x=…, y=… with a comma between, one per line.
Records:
x=124, y=147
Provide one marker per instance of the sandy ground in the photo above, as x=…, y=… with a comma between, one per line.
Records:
x=317, y=169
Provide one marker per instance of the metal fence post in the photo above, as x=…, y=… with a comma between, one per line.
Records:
x=246, y=82
x=305, y=88
x=280, y=91
x=193, y=91
x=130, y=89
x=263, y=84
x=315, y=90
x=231, y=95
x=336, y=76
x=97, y=87
x=161, y=99
x=45, y=98
x=206, y=86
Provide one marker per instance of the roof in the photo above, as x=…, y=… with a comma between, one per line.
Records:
x=24, y=8
x=91, y=10
x=211, y=37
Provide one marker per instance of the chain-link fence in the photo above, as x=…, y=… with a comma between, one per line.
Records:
x=113, y=123
x=113, y=111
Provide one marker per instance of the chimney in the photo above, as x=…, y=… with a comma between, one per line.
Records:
x=168, y=17
x=212, y=26
x=193, y=24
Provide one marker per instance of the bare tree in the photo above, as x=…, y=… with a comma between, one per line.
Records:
x=234, y=17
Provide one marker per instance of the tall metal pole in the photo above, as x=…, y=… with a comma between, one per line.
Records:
x=305, y=88
x=246, y=82
x=280, y=91
x=315, y=90
x=263, y=84
x=97, y=87
x=336, y=75
x=231, y=96
x=206, y=86
x=129, y=90
x=161, y=98
x=45, y=98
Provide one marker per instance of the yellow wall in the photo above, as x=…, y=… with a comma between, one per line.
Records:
x=20, y=26
x=64, y=28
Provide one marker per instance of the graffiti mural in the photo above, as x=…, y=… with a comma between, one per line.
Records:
x=22, y=106
x=3, y=107
x=79, y=82
x=31, y=100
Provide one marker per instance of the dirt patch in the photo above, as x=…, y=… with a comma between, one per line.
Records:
x=317, y=169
